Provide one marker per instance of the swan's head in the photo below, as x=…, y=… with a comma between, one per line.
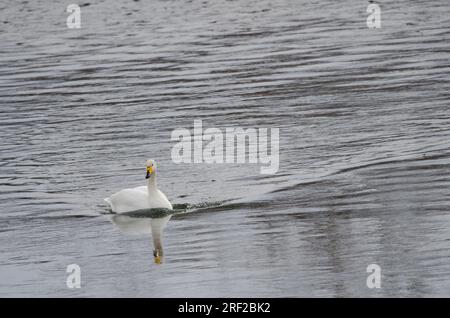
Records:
x=151, y=168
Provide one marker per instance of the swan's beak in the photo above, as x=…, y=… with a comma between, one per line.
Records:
x=149, y=172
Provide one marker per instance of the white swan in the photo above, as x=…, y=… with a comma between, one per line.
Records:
x=145, y=197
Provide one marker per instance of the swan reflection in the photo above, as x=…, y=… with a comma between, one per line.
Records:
x=151, y=221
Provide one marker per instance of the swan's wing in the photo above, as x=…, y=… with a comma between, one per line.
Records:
x=128, y=200
x=142, y=188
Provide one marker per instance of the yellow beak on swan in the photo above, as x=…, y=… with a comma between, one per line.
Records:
x=149, y=172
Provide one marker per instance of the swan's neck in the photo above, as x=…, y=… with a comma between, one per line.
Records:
x=152, y=183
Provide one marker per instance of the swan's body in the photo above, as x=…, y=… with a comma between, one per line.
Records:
x=144, y=197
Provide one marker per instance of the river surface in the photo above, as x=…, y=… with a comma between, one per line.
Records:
x=364, y=147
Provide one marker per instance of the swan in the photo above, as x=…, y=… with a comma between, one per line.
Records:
x=144, y=197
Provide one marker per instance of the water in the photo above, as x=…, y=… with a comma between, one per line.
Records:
x=364, y=147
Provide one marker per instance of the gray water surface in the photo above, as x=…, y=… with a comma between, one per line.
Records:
x=364, y=117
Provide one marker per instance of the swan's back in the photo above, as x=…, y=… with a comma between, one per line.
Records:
x=128, y=200
x=137, y=199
